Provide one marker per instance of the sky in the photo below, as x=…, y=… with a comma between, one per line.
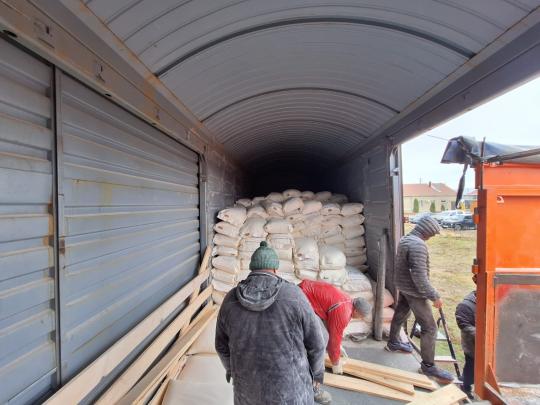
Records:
x=512, y=118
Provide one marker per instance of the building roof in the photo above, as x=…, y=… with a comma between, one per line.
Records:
x=428, y=190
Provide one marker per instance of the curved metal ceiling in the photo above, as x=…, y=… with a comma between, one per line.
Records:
x=290, y=81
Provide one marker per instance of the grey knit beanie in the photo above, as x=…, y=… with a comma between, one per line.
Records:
x=427, y=227
x=264, y=258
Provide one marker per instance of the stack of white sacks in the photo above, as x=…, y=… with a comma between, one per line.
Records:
x=316, y=236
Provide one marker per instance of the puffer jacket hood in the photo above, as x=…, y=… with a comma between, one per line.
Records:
x=259, y=291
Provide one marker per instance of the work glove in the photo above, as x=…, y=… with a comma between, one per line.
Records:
x=344, y=353
x=338, y=368
x=228, y=376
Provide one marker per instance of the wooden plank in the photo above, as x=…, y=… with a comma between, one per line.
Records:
x=202, y=267
x=445, y=359
x=364, y=387
x=418, y=380
x=375, y=378
x=156, y=374
x=137, y=369
x=89, y=378
x=161, y=388
x=446, y=395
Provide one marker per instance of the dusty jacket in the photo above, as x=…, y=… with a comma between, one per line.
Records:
x=270, y=342
x=412, y=267
x=466, y=321
x=334, y=307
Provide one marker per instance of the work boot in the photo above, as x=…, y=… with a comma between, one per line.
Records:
x=320, y=396
x=399, y=347
x=440, y=375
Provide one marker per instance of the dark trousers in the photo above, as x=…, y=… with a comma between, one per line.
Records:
x=468, y=373
x=421, y=309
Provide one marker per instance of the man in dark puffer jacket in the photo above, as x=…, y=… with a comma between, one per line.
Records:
x=415, y=292
x=466, y=321
x=269, y=339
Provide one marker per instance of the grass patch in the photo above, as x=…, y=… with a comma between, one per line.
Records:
x=451, y=256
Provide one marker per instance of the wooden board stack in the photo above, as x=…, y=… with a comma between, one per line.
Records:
x=391, y=383
x=145, y=379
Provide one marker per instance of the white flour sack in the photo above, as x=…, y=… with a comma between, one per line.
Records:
x=286, y=266
x=226, y=263
x=293, y=206
x=306, y=248
x=356, y=260
x=338, y=198
x=336, y=277
x=323, y=195
x=337, y=239
x=306, y=254
x=353, y=220
x=311, y=207
x=257, y=211
x=285, y=254
x=331, y=220
x=273, y=208
x=218, y=297
x=226, y=228
x=357, y=281
x=223, y=240
x=276, y=225
x=331, y=230
x=352, y=209
x=294, y=218
x=353, y=232
x=224, y=276
x=235, y=216
x=307, y=195
x=218, y=250
x=356, y=242
x=331, y=258
x=257, y=200
x=276, y=197
x=292, y=193
x=221, y=286
x=330, y=209
x=307, y=274
x=250, y=244
x=245, y=202
x=280, y=241
x=253, y=227
x=354, y=251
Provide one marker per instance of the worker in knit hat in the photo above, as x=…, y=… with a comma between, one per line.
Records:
x=269, y=339
x=411, y=277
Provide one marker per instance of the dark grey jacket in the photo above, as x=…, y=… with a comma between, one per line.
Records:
x=412, y=267
x=270, y=342
x=466, y=321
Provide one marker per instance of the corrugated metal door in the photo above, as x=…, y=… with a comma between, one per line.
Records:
x=27, y=316
x=130, y=222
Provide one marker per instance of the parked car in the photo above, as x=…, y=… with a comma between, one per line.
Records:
x=441, y=216
x=416, y=218
x=459, y=222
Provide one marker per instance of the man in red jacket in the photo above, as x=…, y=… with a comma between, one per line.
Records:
x=335, y=309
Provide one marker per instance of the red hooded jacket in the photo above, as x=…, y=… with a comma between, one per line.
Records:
x=334, y=307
